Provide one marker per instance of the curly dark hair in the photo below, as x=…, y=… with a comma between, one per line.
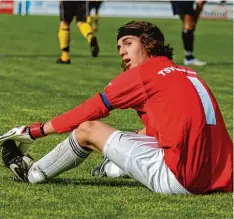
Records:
x=151, y=38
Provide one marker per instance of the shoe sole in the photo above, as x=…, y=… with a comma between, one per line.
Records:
x=60, y=61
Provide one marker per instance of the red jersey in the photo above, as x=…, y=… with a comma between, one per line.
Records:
x=179, y=110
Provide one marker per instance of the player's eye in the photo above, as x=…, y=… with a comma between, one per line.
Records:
x=128, y=43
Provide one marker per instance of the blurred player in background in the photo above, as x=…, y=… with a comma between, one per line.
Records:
x=189, y=17
x=183, y=146
x=69, y=10
x=93, y=20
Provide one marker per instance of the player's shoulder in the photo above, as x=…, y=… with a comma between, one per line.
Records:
x=124, y=78
x=156, y=64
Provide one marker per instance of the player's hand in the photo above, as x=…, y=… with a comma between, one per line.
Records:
x=20, y=134
x=25, y=135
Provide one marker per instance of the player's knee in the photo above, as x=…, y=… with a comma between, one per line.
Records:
x=86, y=128
x=189, y=22
x=190, y=26
x=64, y=25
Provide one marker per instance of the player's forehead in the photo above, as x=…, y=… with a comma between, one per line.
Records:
x=125, y=38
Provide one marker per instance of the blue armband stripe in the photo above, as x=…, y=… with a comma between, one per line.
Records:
x=106, y=101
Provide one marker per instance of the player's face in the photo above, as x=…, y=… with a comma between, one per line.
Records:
x=131, y=51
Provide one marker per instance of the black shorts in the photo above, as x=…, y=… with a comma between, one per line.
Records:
x=183, y=7
x=94, y=5
x=70, y=9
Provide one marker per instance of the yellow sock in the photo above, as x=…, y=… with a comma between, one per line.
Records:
x=86, y=31
x=65, y=56
x=95, y=22
x=64, y=41
x=96, y=18
x=89, y=20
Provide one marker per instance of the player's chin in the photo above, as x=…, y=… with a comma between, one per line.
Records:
x=131, y=66
x=124, y=66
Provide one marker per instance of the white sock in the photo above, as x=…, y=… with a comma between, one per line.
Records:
x=188, y=53
x=65, y=156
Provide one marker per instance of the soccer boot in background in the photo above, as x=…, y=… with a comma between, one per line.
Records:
x=60, y=61
x=94, y=46
x=16, y=161
x=194, y=61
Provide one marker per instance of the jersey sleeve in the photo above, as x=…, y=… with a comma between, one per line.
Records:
x=126, y=90
x=92, y=109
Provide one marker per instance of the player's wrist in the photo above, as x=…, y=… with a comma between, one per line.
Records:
x=36, y=130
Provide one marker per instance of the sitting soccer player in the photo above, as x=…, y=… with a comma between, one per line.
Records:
x=94, y=20
x=189, y=17
x=184, y=147
x=69, y=9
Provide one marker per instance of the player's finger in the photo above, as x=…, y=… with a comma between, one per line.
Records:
x=7, y=136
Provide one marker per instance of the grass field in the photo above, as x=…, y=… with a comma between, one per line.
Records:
x=35, y=88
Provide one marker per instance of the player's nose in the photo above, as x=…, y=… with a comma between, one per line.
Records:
x=122, y=52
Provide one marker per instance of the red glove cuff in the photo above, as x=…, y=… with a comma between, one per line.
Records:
x=36, y=130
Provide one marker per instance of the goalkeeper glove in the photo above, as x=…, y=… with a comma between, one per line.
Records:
x=24, y=134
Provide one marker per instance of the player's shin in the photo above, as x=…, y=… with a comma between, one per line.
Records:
x=188, y=41
x=65, y=156
x=89, y=20
x=64, y=41
x=86, y=30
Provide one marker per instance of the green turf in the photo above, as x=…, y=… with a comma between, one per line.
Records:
x=34, y=88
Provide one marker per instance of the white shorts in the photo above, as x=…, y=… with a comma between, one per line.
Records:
x=142, y=159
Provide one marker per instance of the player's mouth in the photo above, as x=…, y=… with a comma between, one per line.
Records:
x=127, y=62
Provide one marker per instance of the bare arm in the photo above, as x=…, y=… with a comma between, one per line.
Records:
x=48, y=128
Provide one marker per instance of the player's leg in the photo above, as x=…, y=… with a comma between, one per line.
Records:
x=70, y=153
x=96, y=18
x=198, y=10
x=65, y=156
x=187, y=15
x=137, y=155
x=89, y=5
x=86, y=29
x=188, y=37
x=142, y=159
x=66, y=10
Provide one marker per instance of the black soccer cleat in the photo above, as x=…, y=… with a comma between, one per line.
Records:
x=16, y=161
x=94, y=46
x=60, y=61
x=100, y=170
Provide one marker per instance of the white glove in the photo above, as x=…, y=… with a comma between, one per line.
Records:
x=18, y=134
